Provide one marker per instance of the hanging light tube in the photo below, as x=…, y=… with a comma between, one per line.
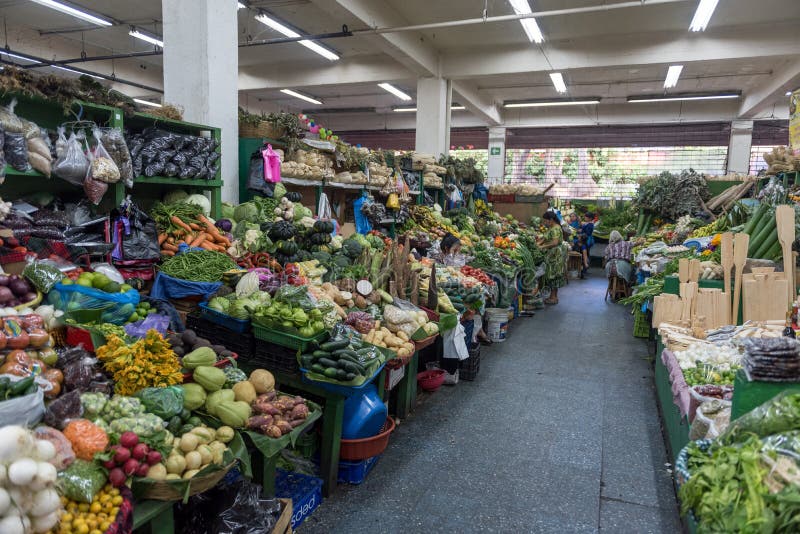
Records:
x=135, y=32
x=301, y=96
x=558, y=82
x=550, y=103
x=147, y=103
x=673, y=73
x=531, y=27
x=75, y=12
x=288, y=32
x=681, y=98
x=703, y=15
x=394, y=90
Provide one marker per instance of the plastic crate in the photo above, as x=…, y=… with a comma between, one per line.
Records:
x=307, y=444
x=356, y=472
x=641, y=324
x=305, y=492
x=285, y=339
x=235, y=325
x=242, y=343
x=275, y=358
x=468, y=369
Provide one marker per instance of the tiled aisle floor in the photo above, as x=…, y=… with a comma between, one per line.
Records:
x=559, y=433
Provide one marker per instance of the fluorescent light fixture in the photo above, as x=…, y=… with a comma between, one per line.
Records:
x=558, y=82
x=549, y=103
x=240, y=5
x=77, y=13
x=147, y=103
x=681, y=98
x=394, y=90
x=703, y=15
x=406, y=110
x=301, y=96
x=288, y=32
x=673, y=73
x=16, y=56
x=788, y=93
x=521, y=7
x=79, y=73
x=146, y=37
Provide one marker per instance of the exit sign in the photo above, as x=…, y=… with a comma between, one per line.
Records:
x=494, y=151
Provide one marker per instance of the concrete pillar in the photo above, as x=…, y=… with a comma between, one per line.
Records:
x=497, y=155
x=201, y=68
x=739, y=146
x=434, y=97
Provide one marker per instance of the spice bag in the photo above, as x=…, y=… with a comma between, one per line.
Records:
x=102, y=167
x=72, y=165
x=114, y=143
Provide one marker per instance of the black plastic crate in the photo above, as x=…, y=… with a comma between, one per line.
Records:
x=274, y=358
x=468, y=369
x=242, y=343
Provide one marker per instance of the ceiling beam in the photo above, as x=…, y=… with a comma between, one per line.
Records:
x=477, y=103
x=763, y=97
x=754, y=41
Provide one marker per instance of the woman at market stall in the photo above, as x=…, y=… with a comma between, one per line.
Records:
x=617, y=257
x=449, y=249
x=555, y=256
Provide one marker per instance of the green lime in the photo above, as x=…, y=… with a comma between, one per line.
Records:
x=134, y=317
x=100, y=280
x=85, y=282
x=67, y=282
x=124, y=288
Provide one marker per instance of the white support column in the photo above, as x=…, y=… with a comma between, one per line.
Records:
x=201, y=69
x=497, y=155
x=434, y=97
x=739, y=146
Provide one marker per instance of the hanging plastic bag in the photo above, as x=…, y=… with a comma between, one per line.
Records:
x=363, y=225
x=102, y=167
x=323, y=208
x=272, y=165
x=114, y=143
x=393, y=202
x=135, y=235
x=16, y=151
x=455, y=345
x=94, y=189
x=255, y=180
x=72, y=164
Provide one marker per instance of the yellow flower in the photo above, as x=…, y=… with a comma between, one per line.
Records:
x=716, y=240
x=706, y=253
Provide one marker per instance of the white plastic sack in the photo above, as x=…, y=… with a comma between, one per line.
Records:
x=454, y=344
x=23, y=411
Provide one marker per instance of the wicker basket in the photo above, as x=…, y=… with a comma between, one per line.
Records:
x=260, y=130
x=165, y=490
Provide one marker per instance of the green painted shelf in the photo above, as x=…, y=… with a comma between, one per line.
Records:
x=181, y=182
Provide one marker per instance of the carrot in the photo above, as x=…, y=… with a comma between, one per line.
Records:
x=167, y=253
x=214, y=231
x=198, y=240
x=162, y=238
x=195, y=226
x=208, y=245
x=179, y=223
x=168, y=246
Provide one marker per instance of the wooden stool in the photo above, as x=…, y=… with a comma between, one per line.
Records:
x=574, y=261
x=617, y=289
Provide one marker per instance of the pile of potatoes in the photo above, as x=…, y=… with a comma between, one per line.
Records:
x=399, y=342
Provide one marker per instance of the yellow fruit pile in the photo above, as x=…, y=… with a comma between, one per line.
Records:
x=95, y=518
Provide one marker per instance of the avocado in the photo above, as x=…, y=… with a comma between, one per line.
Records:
x=219, y=349
x=200, y=342
x=179, y=350
x=111, y=287
x=175, y=340
x=189, y=337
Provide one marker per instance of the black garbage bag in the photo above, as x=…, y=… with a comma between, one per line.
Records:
x=255, y=180
x=16, y=151
x=170, y=169
x=249, y=513
x=138, y=235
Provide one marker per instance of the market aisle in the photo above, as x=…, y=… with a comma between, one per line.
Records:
x=560, y=433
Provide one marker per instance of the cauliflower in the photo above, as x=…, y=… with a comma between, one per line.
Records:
x=336, y=242
x=255, y=240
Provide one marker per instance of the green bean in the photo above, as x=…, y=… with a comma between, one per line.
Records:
x=198, y=266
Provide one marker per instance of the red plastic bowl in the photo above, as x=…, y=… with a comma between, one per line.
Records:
x=431, y=380
x=355, y=450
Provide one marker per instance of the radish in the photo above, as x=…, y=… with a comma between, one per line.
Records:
x=130, y=467
x=153, y=457
x=143, y=469
x=128, y=440
x=110, y=464
x=122, y=455
x=117, y=477
x=140, y=451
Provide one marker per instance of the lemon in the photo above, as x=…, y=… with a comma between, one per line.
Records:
x=96, y=507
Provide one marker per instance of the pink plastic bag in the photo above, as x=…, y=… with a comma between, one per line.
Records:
x=272, y=165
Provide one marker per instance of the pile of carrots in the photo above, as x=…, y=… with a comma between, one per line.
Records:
x=200, y=233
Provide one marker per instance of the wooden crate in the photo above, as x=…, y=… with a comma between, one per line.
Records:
x=284, y=524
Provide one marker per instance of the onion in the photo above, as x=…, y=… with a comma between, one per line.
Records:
x=28, y=297
x=5, y=295
x=4, y=279
x=19, y=287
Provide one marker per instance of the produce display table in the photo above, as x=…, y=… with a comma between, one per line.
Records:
x=154, y=517
x=747, y=395
x=407, y=388
x=676, y=426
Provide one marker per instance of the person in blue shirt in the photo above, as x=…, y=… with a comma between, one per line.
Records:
x=587, y=229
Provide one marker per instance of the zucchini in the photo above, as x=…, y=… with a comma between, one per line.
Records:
x=331, y=372
x=325, y=362
x=317, y=368
x=341, y=374
x=331, y=346
x=350, y=376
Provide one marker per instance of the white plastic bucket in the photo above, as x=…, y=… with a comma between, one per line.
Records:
x=497, y=324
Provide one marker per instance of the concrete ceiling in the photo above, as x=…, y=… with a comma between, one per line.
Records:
x=749, y=47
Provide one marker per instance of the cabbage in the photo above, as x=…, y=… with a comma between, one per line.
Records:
x=238, y=309
x=227, y=210
x=279, y=190
x=219, y=304
x=201, y=201
x=246, y=212
x=301, y=211
x=177, y=195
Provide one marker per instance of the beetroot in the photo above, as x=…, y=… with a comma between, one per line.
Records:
x=153, y=457
x=117, y=477
x=143, y=469
x=128, y=440
x=110, y=464
x=140, y=451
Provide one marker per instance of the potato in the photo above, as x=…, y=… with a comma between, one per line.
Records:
x=189, y=442
x=189, y=474
x=402, y=335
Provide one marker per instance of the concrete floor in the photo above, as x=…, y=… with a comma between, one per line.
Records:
x=559, y=433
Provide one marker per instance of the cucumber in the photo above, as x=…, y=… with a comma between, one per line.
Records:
x=352, y=367
x=350, y=376
x=317, y=368
x=341, y=374
x=331, y=372
x=343, y=352
x=331, y=346
x=321, y=354
x=326, y=362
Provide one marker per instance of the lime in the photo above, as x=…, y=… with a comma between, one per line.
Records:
x=85, y=282
x=100, y=280
x=134, y=317
x=124, y=288
x=67, y=282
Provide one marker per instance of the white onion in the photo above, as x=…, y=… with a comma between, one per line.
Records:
x=21, y=472
x=45, y=450
x=45, y=502
x=15, y=441
x=5, y=501
x=12, y=524
x=44, y=523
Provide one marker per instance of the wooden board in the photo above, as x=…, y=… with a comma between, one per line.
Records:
x=764, y=296
x=667, y=308
x=784, y=220
x=741, y=242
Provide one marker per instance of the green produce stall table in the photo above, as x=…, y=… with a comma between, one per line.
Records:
x=154, y=517
x=672, y=285
x=407, y=388
x=675, y=426
x=747, y=395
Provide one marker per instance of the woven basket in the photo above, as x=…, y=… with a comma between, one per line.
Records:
x=262, y=129
x=162, y=490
